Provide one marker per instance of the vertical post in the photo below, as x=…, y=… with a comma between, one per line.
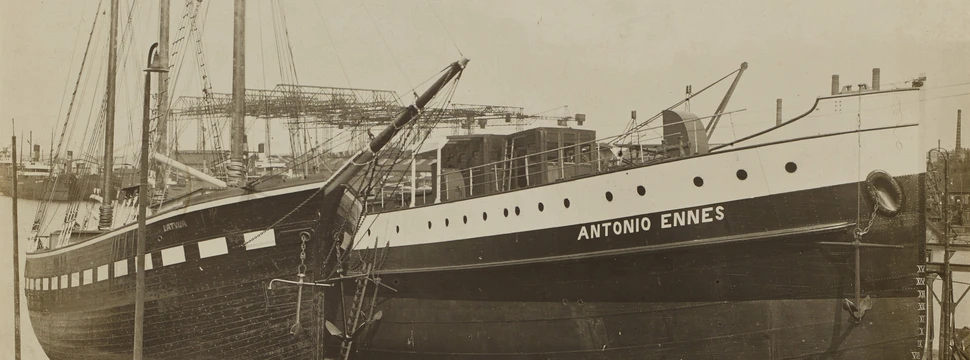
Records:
x=161, y=176
x=105, y=219
x=599, y=164
x=946, y=336
x=414, y=178
x=835, y=84
x=143, y=188
x=777, y=112
x=238, y=128
x=438, y=173
x=471, y=181
x=16, y=251
x=875, y=79
x=267, y=139
x=527, y=170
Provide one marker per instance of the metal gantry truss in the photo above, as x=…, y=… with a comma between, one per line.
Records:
x=311, y=114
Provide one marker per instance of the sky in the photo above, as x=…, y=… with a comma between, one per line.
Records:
x=600, y=58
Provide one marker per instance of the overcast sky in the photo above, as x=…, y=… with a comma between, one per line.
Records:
x=601, y=58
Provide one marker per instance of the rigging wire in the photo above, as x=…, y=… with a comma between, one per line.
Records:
x=448, y=33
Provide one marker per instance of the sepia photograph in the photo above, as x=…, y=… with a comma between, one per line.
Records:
x=484, y=179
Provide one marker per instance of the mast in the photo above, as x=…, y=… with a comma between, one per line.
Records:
x=236, y=168
x=105, y=220
x=163, y=96
x=351, y=167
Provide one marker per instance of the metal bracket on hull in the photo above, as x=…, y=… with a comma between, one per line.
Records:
x=859, y=307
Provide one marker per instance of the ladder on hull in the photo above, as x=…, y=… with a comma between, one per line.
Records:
x=357, y=309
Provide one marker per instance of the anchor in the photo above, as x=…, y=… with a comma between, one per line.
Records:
x=297, y=329
x=859, y=307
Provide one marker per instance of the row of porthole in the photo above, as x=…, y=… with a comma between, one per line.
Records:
x=790, y=167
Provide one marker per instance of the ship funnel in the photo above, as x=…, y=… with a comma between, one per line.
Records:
x=36, y=156
x=959, y=125
x=835, y=84
x=875, y=79
x=777, y=112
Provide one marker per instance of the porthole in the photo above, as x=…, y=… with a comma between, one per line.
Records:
x=641, y=190
x=791, y=167
x=484, y=215
x=429, y=224
x=742, y=174
x=397, y=229
x=446, y=222
x=505, y=212
x=698, y=182
x=541, y=207
x=517, y=211
x=609, y=196
x=464, y=219
x=565, y=202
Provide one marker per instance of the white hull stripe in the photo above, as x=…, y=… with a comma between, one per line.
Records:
x=213, y=247
x=121, y=268
x=173, y=255
x=260, y=239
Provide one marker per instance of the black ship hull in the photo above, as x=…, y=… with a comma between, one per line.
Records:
x=207, y=293
x=756, y=286
x=744, y=253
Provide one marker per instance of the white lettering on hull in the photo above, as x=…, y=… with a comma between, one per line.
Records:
x=635, y=225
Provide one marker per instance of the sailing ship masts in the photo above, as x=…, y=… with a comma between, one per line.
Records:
x=109, y=120
x=359, y=160
x=238, y=128
x=163, y=95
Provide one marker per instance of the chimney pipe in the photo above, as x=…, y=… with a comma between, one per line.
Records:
x=778, y=113
x=36, y=153
x=875, y=79
x=959, y=125
x=835, y=84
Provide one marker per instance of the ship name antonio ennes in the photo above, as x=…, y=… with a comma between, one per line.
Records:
x=638, y=224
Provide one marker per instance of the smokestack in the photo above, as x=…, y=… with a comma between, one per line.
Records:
x=778, y=112
x=835, y=84
x=959, y=121
x=875, y=79
x=36, y=153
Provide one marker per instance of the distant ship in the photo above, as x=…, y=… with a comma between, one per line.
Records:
x=802, y=241
x=39, y=180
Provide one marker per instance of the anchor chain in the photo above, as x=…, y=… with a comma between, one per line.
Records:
x=301, y=269
x=297, y=327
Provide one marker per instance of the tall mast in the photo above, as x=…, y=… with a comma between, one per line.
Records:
x=105, y=219
x=237, y=172
x=163, y=95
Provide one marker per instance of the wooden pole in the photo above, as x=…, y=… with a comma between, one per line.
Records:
x=16, y=253
x=143, y=188
x=105, y=221
x=238, y=128
x=164, y=100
